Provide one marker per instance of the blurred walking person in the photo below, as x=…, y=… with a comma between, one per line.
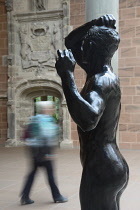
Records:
x=41, y=137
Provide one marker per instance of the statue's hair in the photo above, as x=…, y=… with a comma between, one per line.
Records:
x=104, y=40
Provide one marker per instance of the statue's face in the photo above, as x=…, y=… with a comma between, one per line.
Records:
x=85, y=50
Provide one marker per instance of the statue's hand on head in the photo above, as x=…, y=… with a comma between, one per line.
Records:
x=65, y=62
x=106, y=20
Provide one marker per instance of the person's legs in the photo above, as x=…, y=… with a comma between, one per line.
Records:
x=49, y=168
x=54, y=189
x=28, y=184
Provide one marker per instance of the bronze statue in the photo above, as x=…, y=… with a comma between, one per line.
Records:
x=96, y=111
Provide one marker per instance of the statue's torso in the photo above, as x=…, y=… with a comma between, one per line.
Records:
x=105, y=131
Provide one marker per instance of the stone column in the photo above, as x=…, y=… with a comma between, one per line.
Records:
x=67, y=142
x=95, y=9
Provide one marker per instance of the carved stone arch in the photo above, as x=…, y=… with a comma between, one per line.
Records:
x=24, y=87
x=23, y=108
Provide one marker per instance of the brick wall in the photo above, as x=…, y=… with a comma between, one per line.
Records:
x=129, y=73
x=3, y=73
x=77, y=18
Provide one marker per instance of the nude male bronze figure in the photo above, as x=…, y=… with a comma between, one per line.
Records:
x=96, y=111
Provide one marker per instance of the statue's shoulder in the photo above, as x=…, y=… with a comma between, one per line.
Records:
x=102, y=83
x=107, y=80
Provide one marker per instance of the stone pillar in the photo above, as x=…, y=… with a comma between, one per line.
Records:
x=95, y=9
x=67, y=142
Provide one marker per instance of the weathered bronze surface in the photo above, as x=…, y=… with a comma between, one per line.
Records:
x=96, y=111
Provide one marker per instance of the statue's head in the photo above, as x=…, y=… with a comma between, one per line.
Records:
x=100, y=42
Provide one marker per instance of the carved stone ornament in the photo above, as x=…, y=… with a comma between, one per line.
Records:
x=40, y=5
x=39, y=42
x=9, y=5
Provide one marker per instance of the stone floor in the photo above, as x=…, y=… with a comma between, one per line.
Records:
x=13, y=167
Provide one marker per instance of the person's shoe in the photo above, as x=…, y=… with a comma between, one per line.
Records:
x=25, y=201
x=60, y=199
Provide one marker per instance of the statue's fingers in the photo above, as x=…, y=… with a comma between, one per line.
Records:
x=103, y=20
x=71, y=56
x=112, y=21
x=60, y=53
x=111, y=17
x=113, y=24
x=106, y=20
x=66, y=53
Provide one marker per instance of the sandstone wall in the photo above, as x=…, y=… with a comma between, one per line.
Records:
x=3, y=73
x=129, y=73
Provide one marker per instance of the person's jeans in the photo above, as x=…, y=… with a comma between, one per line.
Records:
x=48, y=165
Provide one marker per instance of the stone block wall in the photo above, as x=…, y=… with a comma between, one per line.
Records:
x=3, y=73
x=129, y=73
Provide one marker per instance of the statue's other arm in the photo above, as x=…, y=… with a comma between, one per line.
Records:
x=86, y=113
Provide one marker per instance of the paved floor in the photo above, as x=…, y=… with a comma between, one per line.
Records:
x=13, y=167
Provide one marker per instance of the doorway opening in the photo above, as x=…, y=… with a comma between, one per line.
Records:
x=49, y=98
x=57, y=114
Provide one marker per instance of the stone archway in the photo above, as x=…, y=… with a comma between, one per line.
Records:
x=23, y=108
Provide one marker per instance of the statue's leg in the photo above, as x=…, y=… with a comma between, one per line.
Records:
x=100, y=201
x=125, y=185
x=103, y=182
x=93, y=197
